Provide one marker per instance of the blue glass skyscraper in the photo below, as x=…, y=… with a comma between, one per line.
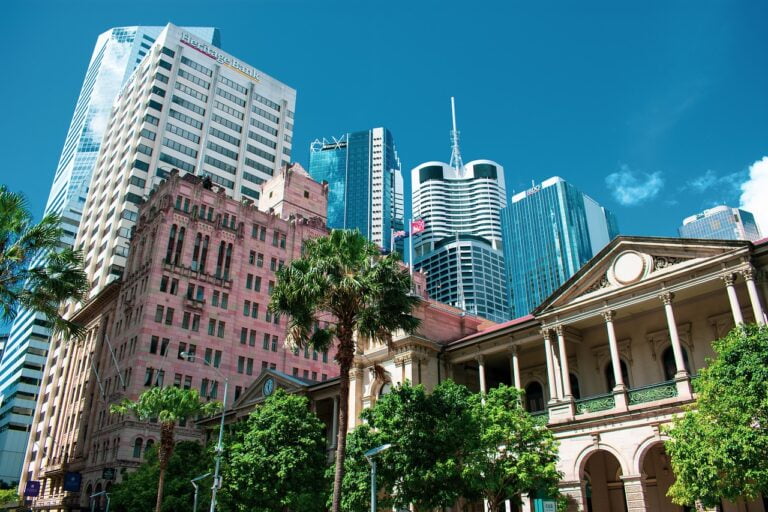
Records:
x=365, y=183
x=549, y=232
x=721, y=223
x=117, y=53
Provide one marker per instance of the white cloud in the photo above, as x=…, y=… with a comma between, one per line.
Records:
x=710, y=179
x=630, y=187
x=754, y=193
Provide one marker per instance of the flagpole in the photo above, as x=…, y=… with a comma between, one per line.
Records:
x=410, y=250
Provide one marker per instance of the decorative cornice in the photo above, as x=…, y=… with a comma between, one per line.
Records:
x=609, y=315
x=749, y=273
x=666, y=298
x=728, y=278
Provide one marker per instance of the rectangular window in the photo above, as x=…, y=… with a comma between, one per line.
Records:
x=240, y=364
x=217, y=359
x=168, y=52
x=243, y=335
x=252, y=258
x=273, y=264
x=165, y=65
x=274, y=343
x=177, y=380
x=215, y=298
x=238, y=391
x=155, y=105
x=159, y=311
x=197, y=67
x=169, y=316
x=265, y=345
x=148, y=377
x=182, y=349
x=188, y=382
x=195, y=323
x=164, y=347
x=260, y=260
x=220, y=331
x=211, y=327
x=252, y=339
x=224, y=300
x=249, y=281
x=249, y=367
x=255, y=310
x=191, y=121
x=204, y=388
x=153, y=344
x=247, y=308
x=164, y=284
x=186, y=319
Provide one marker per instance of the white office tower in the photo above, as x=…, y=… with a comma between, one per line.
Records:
x=461, y=249
x=117, y=53
x=192, y=107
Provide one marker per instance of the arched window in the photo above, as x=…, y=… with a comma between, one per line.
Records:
x=668, y=361
x=575, y=389
x=534, y=397
x=137, y=447
x=150, y=443
x=610, y=380
x=228, y=261
x=171, y=243
x=220, y=259
x=385, y=388
x=179, y=247
x=204, y=255
x=196, y=250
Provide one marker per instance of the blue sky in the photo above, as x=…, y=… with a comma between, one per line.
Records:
x=655, y=109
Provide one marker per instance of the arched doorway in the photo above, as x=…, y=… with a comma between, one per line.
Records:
x=658, y=478
x=604, y=487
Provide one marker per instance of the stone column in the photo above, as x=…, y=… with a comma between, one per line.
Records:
x=481, y=372
x=614, y=348
x=620, y=389
x=550, y=368
x=729, y=279
x=634, y=489
x=754, y=297
x=335, y=422
x=666, y=298
x=566, y=377
x=514, y=368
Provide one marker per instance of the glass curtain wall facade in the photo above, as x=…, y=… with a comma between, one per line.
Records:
x=365, y=184
x=550, y=231
x=461, y=249
x=117, y=53
x=721, y=223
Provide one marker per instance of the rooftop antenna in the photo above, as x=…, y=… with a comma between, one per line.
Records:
x=456, y=161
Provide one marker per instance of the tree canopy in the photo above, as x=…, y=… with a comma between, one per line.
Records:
x=138, y=490
x=343, y=281
x=449, y=446
x=276, y=461
x=719, y=447
x=36, y=272
x=168, y=405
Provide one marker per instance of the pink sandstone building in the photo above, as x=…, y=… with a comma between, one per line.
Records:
x=199, y=275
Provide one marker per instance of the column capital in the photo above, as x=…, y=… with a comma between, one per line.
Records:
x=728, y=278
x=559, y=330
x=666, y=297
x=609, y=315
x=480, y=358
x=546, y=333
x=748, y=273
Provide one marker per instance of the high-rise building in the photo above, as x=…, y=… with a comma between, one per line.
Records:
x=460, y=249
x=195, y=290
x=188, y=106
x=721, y=223
x=550, y=231
x=365, y=183
x=117, y=53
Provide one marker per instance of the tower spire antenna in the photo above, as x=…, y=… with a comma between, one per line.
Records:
x=456, y=161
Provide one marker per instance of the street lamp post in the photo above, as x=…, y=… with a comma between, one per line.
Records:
x=194, y=484
x=371, y=456
x=220, y=446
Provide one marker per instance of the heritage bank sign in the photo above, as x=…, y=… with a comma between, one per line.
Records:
x=219, y=57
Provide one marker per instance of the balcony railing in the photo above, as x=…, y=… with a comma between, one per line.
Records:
x=595, y=403
x=540, y=417
x=651, y=393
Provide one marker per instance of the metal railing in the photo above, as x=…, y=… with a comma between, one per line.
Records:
x=595, y=403
x=652, y=392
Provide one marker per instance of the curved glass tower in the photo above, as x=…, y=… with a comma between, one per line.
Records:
x=461, y=248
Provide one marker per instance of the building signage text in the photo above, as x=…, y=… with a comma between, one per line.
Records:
x=219, y=57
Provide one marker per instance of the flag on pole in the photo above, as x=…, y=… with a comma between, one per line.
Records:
x=417, y=226
x=399, y=235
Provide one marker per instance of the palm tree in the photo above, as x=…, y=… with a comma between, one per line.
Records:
x=343, y=276
x=36, y=272
x=168, y=405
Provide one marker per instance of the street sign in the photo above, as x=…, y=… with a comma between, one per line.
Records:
x=108, y=473
x=72, y=481
x=32, y=488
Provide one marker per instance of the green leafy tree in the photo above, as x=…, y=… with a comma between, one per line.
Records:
x=514, y=455
x=356, y=486
x=168, y=405
x=344, y=279
x=8, y=496
x=189, y=460
x=277, y=461
x=433, y=434
x=59, y=276
x=719, y=447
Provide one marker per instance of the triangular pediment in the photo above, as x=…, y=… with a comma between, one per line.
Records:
x=629, y=261
x=266, y=383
